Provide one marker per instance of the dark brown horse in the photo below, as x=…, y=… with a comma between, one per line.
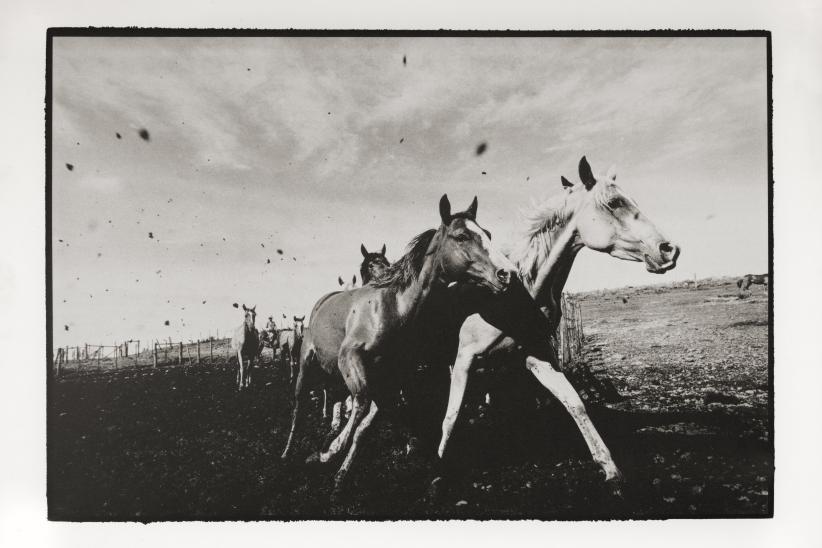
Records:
x=373, y=265
x=246, y=343
x=368, y=337
x=747, y=280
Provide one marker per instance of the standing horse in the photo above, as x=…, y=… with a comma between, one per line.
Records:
x=289, y=341
x=246, y=343
x=597, y=215
x=745, y=281
x=367, y=337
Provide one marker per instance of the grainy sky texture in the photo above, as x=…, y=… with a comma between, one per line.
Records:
x=311, y=146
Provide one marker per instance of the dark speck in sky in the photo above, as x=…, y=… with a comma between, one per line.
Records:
x=99, y=254
x=166, y=322
x=268, y=261
x=235, y=305
x=404, y=60
x=248, y=69
x=484, y=173
x=151, y=235
x=144, y=134
x=528, y=178
x=118, y=135
x=482, y=147
x=262, y=245
x=204, y=302
x=70, y=167
x=401, y=140
x=280, y=251
x=66, y=327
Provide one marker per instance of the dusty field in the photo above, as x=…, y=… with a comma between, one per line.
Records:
x=691, y=434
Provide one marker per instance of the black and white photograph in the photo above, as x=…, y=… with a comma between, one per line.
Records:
x=408, y=276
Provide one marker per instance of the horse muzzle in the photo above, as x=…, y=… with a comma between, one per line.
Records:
x=664, y=260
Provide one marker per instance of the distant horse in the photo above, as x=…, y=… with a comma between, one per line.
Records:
x=347, y=286
x=289, y=341
x=246, y=343
x=597, y=215
x=368, y=337
x=747, y=280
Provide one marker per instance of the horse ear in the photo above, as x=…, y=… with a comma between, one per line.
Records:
x=363, y=251
x=354, y=280
x=244, y=308
x=383, y=250
x=339, y=280
x=472, y=209
x=612, y=173
x=586, y=175
x=254, y=308
x=445, y=209
x=565, y=182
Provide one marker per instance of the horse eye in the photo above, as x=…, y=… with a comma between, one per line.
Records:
x=462, y=237
x=614, y=203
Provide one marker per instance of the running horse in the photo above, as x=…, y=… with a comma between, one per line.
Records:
x=747, y=280
x=367, y=337
x=246, y=343
x=598, y=215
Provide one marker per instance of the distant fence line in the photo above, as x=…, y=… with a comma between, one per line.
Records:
x=131, y=354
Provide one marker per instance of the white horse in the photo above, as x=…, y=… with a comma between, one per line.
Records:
x=597, y=215
x=246, y=343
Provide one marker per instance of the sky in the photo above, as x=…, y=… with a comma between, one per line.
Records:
x=270, y=160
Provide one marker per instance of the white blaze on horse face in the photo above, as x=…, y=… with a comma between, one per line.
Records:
x=497, y=258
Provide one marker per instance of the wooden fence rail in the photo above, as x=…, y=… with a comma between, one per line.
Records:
x=571, y=335
x=133, y=353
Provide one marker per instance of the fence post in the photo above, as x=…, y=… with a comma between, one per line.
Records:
x=137, y=355
x=99, y=355
x=180, y=353
x=59, y=361
x=116, y=351
x=155, y=355
x=210, y=351
x=198, y=351
x=85, y=351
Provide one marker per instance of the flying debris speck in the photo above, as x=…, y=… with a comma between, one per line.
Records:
x=262, y=245
x=402, y=139
x=70, y=167
x=235, y=305
x=118, y=135
x=151, y=235
x=280, y=251
x=482, y=147
x=483, y=173
x=204, y=302
x=144, y=134
x=166, y=322
x=528, y=178
x=66, y=327
x=268, y=261
x=404, y=60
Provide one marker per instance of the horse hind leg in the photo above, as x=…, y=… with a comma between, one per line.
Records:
x=240, y=372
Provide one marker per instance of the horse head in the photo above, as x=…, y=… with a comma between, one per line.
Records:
x=250, y=315
x=465, y=252
x=373, y=264
x=609, y=220
x=299, y=325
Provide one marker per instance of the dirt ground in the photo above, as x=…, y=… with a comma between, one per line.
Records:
x=691, y=434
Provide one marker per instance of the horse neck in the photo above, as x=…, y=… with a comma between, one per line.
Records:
x=410, y=300
x=547, y=258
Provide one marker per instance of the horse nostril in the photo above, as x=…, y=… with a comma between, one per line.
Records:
x=666, y=248
x=504, y=276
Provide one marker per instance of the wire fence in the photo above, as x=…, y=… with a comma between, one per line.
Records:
x=98, y=357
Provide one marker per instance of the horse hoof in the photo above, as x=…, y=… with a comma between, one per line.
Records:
x=615, y=483
x=437, y=489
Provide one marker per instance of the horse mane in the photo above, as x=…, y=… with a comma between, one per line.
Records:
x=400, y=274
x=543, y=224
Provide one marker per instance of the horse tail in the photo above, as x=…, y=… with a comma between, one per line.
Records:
x=300, y=393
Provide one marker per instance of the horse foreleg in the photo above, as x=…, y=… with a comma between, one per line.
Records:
x=559, y=386
x=365, y=423
x=240, y=372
